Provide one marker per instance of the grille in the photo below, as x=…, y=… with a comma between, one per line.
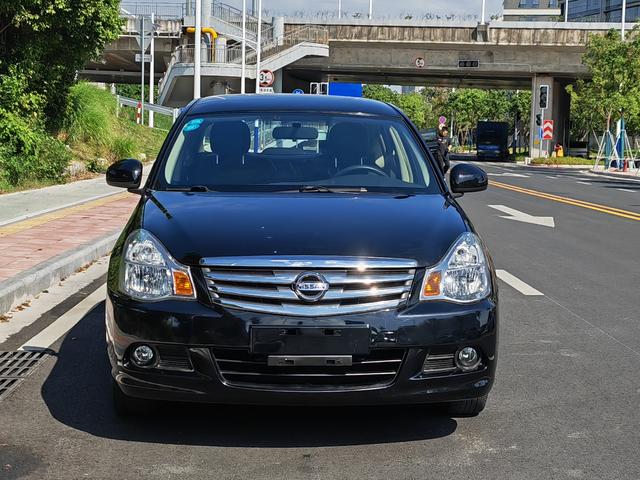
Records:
x=353, y=285
x=439, y=364
x=174, y=357
x=14, y=367
x=239, y=367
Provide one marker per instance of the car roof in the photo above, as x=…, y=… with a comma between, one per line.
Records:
x=290, y=102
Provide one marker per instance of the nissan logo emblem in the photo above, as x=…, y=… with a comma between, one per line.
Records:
x=310, y=286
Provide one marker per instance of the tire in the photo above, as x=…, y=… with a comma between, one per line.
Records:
x=126, y=406
x=467, y=408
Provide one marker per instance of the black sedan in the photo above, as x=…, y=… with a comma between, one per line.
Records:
x=299, y=250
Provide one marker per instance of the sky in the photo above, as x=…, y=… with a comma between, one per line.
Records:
x=381, y=8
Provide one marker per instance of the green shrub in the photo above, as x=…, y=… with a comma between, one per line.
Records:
x=123, y=147
x=90, y=115
x=27, y=153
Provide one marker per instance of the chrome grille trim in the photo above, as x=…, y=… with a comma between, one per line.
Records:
x=307, y=262
x=439, y=363
x=264, y=284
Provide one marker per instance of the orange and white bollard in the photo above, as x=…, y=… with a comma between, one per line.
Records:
x=139, y=113
x=625, y=165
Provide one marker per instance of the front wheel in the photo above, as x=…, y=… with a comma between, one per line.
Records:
x=467, y=408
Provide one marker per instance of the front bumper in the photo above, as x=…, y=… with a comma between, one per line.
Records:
x=202, y=329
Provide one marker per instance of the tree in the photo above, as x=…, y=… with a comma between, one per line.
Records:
x=43, y=43
x=412, y=104
x=614, y=87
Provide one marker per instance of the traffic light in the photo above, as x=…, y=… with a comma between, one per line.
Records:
x=544, y=96
x=539, y=119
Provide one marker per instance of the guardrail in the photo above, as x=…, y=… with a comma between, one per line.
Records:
x=150, y=107
x=161, y=11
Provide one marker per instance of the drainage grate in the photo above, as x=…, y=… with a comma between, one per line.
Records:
x=14, y=367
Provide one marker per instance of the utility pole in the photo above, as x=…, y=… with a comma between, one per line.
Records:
x=244, y=47
x=259, y=46
x=151, y=68
x=196, y=50
x=624, y=17
x=142, y=49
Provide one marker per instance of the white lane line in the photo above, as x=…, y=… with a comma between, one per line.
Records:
x=66, y=322
x=626, y=190
x=518, y=284
x=583, y=183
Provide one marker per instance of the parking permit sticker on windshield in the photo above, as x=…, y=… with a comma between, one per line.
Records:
x=193, y=125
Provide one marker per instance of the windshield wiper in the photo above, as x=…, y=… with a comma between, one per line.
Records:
x=323, y=189
x=194, y=188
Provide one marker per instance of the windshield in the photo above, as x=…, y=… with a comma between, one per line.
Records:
x=271, y=151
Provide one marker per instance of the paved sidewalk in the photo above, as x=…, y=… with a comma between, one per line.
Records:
x=21, y=205
x=39, y=251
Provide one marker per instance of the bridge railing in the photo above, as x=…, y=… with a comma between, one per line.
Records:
x=160, y=10
x=308, y=33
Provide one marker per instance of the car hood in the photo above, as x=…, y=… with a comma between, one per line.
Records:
x=197, y=225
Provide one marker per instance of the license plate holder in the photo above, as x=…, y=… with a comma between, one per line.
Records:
x=310, y=340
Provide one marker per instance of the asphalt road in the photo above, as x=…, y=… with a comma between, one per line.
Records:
x=565, y=404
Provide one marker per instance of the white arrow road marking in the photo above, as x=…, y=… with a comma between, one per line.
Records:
x=518, y=284
x=626, y=190
x=513, y=214
x=509, y=174
x=583, y=183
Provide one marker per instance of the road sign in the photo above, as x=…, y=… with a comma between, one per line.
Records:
x=266, y=90
x=147, y=57
x=442, y=120
x=419, y=62
x=547, y=130
x=146, y=32
x=298, y=91
x=266, y=78
x=468, y=64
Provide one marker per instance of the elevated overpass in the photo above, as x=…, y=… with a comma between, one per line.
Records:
x=515, y=55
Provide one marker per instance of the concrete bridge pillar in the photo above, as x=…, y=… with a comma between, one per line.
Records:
x=558, y=103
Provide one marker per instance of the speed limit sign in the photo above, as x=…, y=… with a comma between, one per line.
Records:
x=266, y=78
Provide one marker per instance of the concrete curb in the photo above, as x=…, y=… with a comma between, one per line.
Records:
x=29, y=283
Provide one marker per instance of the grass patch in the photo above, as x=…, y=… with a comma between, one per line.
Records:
x=93, y=137
x=562, y=161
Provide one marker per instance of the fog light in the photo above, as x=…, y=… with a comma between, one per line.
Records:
x=467, y=359
x=143, y=356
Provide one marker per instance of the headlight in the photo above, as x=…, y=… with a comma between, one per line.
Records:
x=462, y=276
x=149, y=272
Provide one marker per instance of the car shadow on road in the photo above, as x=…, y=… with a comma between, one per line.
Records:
x=77, y=392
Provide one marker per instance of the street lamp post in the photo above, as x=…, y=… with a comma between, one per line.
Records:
x=259, y=46
x=196, y=50
x=339, y=9
x=624, y=17
x=151, y=67
x=484, y=5
x=370, y=9
x=244, y=47
x=566, y=11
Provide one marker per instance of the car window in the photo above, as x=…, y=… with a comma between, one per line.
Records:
x=281, y=151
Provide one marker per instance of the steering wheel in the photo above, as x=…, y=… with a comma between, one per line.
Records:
x=366, y=168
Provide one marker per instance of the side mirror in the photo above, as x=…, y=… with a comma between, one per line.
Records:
x=465, y=178
x=125, y=173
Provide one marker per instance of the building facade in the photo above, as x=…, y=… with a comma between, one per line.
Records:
x=579, y=10
x=531, y=10
x=600, y=10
